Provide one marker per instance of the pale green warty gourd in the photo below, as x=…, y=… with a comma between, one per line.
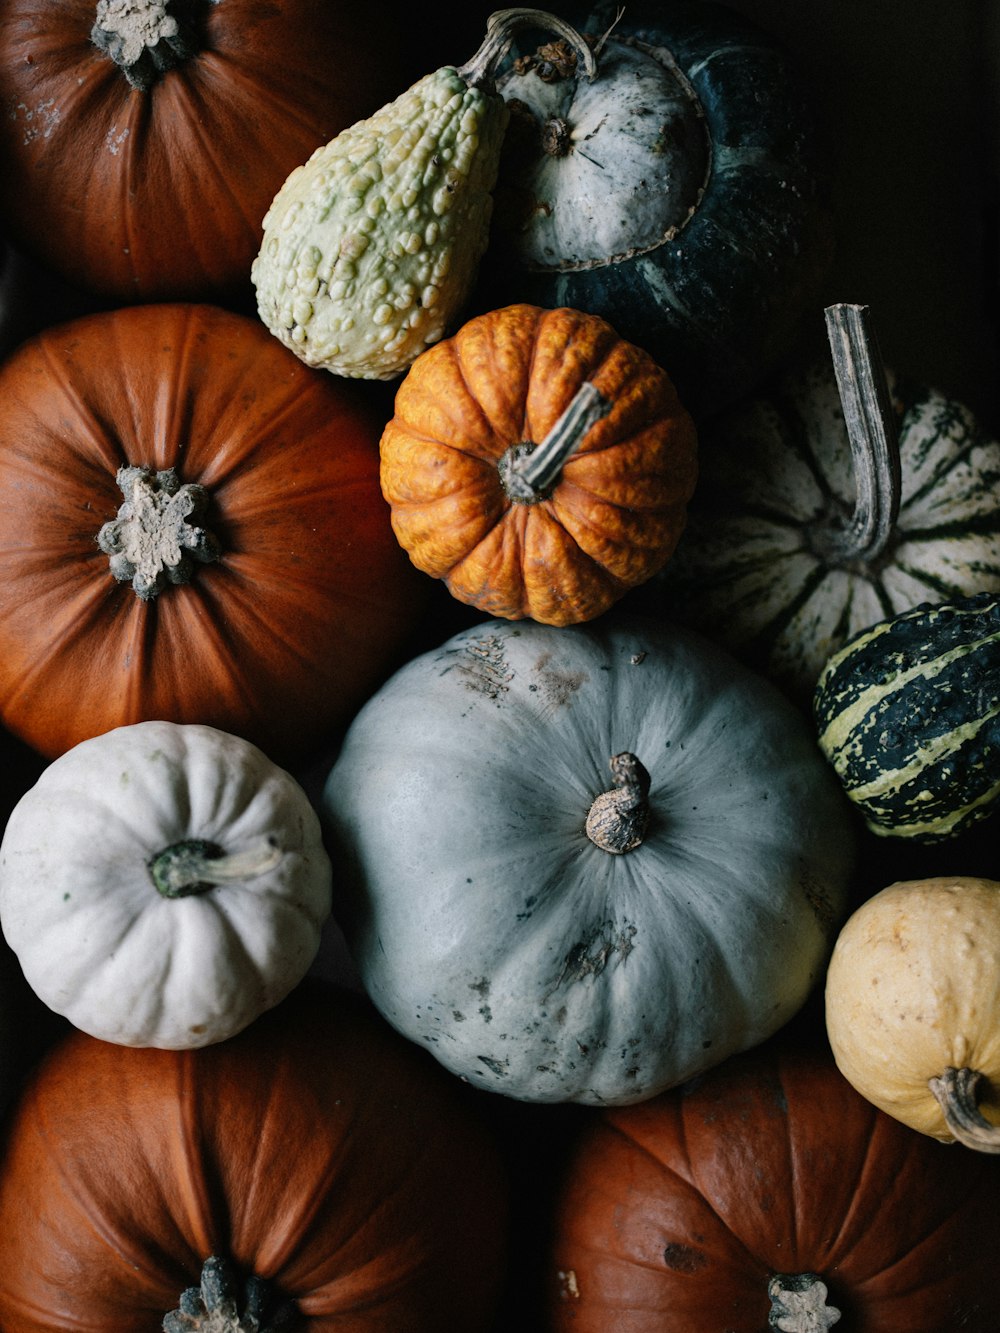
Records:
x=371, y=247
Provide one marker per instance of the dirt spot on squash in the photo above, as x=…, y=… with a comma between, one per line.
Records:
x=555, y=685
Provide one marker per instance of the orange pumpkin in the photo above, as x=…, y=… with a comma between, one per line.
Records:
x=539, y=464
x=298, y=598
x=316, y=1152
x=141, y=167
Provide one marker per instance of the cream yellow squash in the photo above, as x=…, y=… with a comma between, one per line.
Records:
x=913, y=1006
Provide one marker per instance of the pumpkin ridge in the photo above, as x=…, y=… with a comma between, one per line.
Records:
x=468, y=376
x=189, y=112
x=695, y=1190
x=195, y=1171
x=107, y=446
x=121, y=1247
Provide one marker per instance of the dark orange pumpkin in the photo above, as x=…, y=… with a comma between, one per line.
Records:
x=317, y=1151
x=143, y=172
x=539, y=464
x=282, y=635
x=679, y=1213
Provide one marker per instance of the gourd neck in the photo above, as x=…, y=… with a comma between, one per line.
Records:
x=871, y=434
x=194, y=866
x=529, y=471
x=798, y=1304
x=956, y=1091
x=153, y=541
x=501, y=28
x=217, y=1305
x=144, y=40
x=618, y=819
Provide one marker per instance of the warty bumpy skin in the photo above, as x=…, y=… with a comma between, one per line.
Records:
x=371, y=247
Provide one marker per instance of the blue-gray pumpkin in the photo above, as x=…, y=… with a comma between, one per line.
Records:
x=678, y=194
x=585, y=864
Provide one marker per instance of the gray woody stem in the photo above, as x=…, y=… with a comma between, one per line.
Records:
x=798, y=1304
x=215, y=1306
x=871, y=433
x=152, y=541
x=618, y=818
x=142, y=39
x=500, y=30
x=528, y=472
x=956, y=1092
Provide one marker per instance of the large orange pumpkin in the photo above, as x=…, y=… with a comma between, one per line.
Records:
x=141, y=168
x=771, y=1194
x=539, y=464
x=282, y=635
x=316, y=1152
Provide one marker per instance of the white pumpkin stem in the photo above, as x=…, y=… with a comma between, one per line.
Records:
x=214, y=1306
x=956, y=1093
x=142, y=39
x=501, y=28
x=152, y=542
x=195, y=866
x=871, y=433
x=618, y=818
x=528, y=471
x=798, y=1304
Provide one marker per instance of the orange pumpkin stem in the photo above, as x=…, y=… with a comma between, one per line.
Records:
x=151, y=541
x=618, y=818
x=500, y=30
x=142, y=39
x=528, y=472
x=214, y=1306
x=956, y=1092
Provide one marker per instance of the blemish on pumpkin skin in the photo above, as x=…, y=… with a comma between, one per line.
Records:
x=484, y=668
x=557, y=686
x=684, y=1259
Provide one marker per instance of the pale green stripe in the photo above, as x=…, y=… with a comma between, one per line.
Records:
x=837, y=732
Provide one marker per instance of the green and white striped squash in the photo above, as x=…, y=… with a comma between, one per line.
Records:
x=771, y=563
x=908, y=713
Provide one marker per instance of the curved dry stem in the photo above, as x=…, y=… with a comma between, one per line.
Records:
x=956, y=1093
x=501, y=28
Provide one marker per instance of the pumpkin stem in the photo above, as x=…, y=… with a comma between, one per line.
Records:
x=528, y=471
x=798, y=1304
x=151, y=542
x=871, y=433
x=956, y=1092
x=618, y=818
x=214, y=1306
x=500, y=30
x=195, y=865
x=142, y=39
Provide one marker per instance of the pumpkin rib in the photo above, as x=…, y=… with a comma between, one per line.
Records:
x=691, y=1186
x=121, y=1246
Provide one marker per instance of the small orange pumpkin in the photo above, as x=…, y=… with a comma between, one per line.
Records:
x=539, y=464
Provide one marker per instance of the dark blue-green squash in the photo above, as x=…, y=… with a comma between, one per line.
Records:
x=908, y=713
x=679, y=194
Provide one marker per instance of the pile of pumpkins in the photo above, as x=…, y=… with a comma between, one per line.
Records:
x=453, y=797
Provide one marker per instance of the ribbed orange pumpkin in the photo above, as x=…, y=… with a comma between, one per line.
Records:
x=316, y=1152
x=139, y=167
x=310, y=599
x=539, y=464
x=769, y=1194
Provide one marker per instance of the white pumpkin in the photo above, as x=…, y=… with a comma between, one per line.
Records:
x=163, y=884
x=779, y=562
x=550, y=939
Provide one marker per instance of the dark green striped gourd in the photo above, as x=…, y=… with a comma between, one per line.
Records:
x=908, y=713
